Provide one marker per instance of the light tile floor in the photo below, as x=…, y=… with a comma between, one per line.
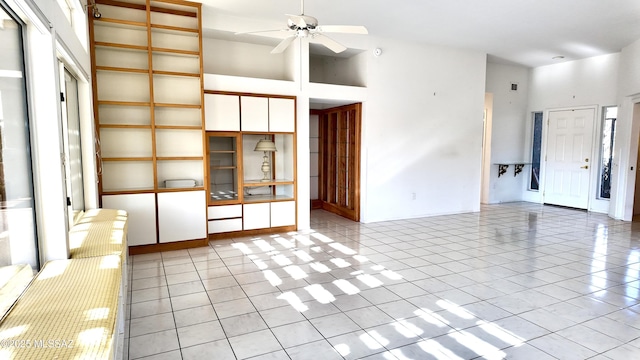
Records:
x=516, y=281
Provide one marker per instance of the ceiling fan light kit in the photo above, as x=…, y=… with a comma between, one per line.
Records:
x=305, y=26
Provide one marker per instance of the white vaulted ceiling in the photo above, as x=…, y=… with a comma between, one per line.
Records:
x=525, y=32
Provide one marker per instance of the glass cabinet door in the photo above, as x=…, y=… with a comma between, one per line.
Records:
x=223, y=168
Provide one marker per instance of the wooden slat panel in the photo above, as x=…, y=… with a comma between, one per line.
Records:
x=321, y=155
x=342, y=173
x=331, y=153
x=352, y=160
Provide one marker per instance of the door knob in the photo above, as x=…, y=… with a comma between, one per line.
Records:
x=584, y=167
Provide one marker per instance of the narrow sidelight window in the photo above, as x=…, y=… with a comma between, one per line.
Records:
x=534, y=182
x=609, y=116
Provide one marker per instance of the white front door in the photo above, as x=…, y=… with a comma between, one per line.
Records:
x=568, y=159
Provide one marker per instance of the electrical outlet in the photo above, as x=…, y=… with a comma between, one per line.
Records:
x=413, y=196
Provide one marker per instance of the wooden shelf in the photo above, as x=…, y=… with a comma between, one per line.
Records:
x=252, y=199
x=123, y=4
x=174, y=73
x=256, y=183
x=175, y=29
x=183, y=106
x=175, y=7
x=175, y=51
x=223, y=167
x=176, y=158
x=124, y=126
x=123, y=103
x=121, y=46
x=121, y=23
x=127, y=159
x=122, y=69
x=128, y=191
x=178, y=127
x=174, y=10
x=164, y=190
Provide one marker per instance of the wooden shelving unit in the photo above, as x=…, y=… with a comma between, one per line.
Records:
x=148, y=97
x=235, y=122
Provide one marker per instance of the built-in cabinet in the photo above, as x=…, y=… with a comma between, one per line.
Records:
x=249, y=113
x=148, y=104
x=241, y=196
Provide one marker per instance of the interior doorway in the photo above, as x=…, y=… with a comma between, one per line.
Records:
x=339, y=132
x=568, y=162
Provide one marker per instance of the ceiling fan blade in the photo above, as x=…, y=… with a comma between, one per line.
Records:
x=333, y=45
x=283, y=45
x=345, y=29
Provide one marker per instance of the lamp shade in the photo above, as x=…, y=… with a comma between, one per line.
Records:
x=265, y=145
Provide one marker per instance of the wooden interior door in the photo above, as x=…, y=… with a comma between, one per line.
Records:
x=339, y=160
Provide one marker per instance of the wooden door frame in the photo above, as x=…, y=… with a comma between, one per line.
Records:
x=353, y=170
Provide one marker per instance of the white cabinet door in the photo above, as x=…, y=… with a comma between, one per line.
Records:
x=282, y=115
x=182, y=216
x=283, y=213
x=141, y=210
x=254, y=113
x=256, y=216
x=222, y=112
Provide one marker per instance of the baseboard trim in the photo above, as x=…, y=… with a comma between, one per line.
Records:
x=178, y=245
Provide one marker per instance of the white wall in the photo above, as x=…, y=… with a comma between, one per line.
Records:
x=629, y=74
x=509, y=127
x=628, y=130
x=248, y=60
x=422, y=131
x=338, y=70
x=589, y=82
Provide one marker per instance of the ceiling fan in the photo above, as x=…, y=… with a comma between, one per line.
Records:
x=305, y=26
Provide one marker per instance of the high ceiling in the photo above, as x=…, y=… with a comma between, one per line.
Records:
x=526, y=32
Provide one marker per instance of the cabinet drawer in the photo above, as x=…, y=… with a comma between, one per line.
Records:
x=224, y=211
x=227, y=225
